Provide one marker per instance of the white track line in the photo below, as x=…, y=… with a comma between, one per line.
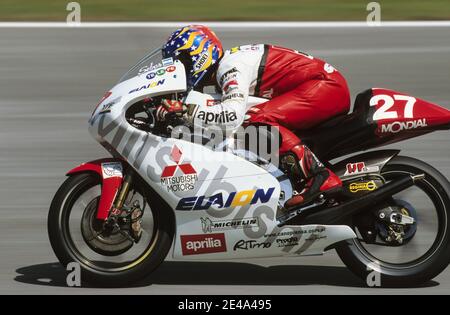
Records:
x=224, y=24
x=378, y=51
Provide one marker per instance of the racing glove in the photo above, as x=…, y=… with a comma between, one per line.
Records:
x=170, y=107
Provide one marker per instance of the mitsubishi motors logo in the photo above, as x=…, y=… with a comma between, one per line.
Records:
x=175, y=156
x=183, y=182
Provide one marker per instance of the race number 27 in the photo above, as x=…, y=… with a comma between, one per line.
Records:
x=385, y=110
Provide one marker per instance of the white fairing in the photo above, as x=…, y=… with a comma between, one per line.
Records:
x=225, y=206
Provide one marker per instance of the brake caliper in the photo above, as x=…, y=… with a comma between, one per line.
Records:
x=397, y=224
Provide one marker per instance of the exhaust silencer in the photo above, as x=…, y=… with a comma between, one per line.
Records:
x=337, y=214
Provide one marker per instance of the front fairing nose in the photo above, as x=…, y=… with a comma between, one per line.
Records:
x=160, y=81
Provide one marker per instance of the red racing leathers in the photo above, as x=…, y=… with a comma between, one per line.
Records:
x=302, y=91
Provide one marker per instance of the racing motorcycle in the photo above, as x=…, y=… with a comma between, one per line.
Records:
x=119, y=217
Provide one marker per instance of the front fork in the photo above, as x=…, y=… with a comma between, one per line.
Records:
x=122, y=213
x=123, y=192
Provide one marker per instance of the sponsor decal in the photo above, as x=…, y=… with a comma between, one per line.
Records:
x=234, y=50
x=148, y=86
x=107, y=94
x=253, y=47
x=355, y=168
x=319, y=229
x=234, y=199
x=183, y=182
x=160, y=72
x=328, y=68
x=230, y=85
x=267, y=93
x=315, y=237
x=285, y=242
x=179, y=183
x=212, y=102
x=228, y=75
x=250, y=244
x=366, y=186
x=167, y=62
x=150, y=67
x=232, y=96
x=112, y=169
x=171, y=69
x=209, y=225
x=359, y=168
x=398, y=126
x=216, y=118
x=198, y=65
x=106, y=108
x=203, y=244
x=151, y=75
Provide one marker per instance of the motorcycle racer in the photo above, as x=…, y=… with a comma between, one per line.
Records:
x=301, y=92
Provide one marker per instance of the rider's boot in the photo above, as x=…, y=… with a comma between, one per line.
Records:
x=320, y=180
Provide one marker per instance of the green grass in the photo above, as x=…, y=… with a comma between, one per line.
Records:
x=225, y=10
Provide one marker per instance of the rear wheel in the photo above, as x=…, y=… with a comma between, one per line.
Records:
x=424, y=250
x=109, y=255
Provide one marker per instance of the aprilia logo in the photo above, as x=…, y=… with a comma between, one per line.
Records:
x=217, y=118
x=203, y=244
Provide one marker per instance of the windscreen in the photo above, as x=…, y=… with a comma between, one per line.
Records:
x=150, y=62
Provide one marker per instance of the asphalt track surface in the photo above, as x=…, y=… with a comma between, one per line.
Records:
x=50, y=79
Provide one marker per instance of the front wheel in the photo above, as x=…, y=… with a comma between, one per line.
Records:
x=425, y=252
x=109, y=255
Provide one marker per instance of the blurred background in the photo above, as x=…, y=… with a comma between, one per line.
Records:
x=229, y=10
x=51, y=79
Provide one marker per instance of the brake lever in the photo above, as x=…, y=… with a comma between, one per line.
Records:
x=150, y=114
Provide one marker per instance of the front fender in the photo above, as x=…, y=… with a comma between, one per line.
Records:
x=365, y=163
x=110, y=171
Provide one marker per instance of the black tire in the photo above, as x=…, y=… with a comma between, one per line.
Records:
x=418, y=272
x=63, y=248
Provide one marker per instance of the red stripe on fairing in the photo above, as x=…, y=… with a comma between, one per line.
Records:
x=110, y=186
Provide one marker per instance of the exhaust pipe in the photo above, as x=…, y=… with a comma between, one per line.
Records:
x=336, y=214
